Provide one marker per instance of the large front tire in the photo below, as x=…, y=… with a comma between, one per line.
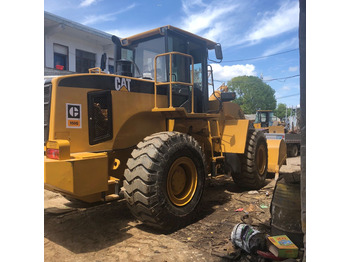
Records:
x=164, y=180
x=253, y=162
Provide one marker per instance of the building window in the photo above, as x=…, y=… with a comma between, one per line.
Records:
x=60, y=57
x=84, y=60
x=111, y=65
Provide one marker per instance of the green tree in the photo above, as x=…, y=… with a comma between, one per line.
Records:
x=280, y=111
x=252, y=94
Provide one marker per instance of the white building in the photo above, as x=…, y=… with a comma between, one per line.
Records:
x=71, y=47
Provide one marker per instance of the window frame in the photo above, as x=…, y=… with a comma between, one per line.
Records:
x=76, y=60
x=67, y=56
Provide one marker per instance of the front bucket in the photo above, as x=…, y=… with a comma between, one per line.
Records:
x=277, y=152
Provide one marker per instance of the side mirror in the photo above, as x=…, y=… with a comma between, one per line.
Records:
x=117, y=51
x=218, y=52
x=115, y=40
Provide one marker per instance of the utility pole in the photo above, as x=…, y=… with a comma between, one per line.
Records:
x=302, y=56
x=286, y=118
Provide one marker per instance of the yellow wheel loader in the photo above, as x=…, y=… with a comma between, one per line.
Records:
x=264, y=121
x=149, y=131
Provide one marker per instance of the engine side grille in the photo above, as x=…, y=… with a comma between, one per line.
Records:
x=47, y=100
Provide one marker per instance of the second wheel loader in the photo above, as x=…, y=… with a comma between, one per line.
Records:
x=264, y=121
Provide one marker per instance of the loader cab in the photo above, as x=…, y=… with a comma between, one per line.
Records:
x=141, y=57
x=264, y=117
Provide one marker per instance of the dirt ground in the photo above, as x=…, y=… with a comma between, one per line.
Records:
x=108, y=231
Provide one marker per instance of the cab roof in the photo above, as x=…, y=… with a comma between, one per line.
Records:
x=128, y=40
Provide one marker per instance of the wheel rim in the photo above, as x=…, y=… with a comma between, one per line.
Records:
x=261, y=159
x=182, y=181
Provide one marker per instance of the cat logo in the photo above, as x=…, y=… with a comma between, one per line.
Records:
x=122, y=84
x=73, y=116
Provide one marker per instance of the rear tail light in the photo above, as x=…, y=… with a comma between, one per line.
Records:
x=58, y=149
x=53, y=153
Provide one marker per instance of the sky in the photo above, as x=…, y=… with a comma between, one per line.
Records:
x=262, y=29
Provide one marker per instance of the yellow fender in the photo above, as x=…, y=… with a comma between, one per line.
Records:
x=277, y=154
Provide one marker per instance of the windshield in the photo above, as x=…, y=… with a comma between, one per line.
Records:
x=143, y=54
x=261, y=117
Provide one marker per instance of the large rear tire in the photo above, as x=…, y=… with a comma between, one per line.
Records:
x=253, y=162
x=164, y=180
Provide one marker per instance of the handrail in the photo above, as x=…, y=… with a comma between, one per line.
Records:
x=171, y=83
x=96, y=70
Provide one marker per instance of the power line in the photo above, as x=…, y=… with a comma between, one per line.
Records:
x=259, y=57
x=287, y=77
x=267, y=80
x=287, y=96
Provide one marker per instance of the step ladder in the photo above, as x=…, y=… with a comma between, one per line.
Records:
x=214, y=138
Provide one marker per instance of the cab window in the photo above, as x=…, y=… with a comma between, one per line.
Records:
x=143, y=55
